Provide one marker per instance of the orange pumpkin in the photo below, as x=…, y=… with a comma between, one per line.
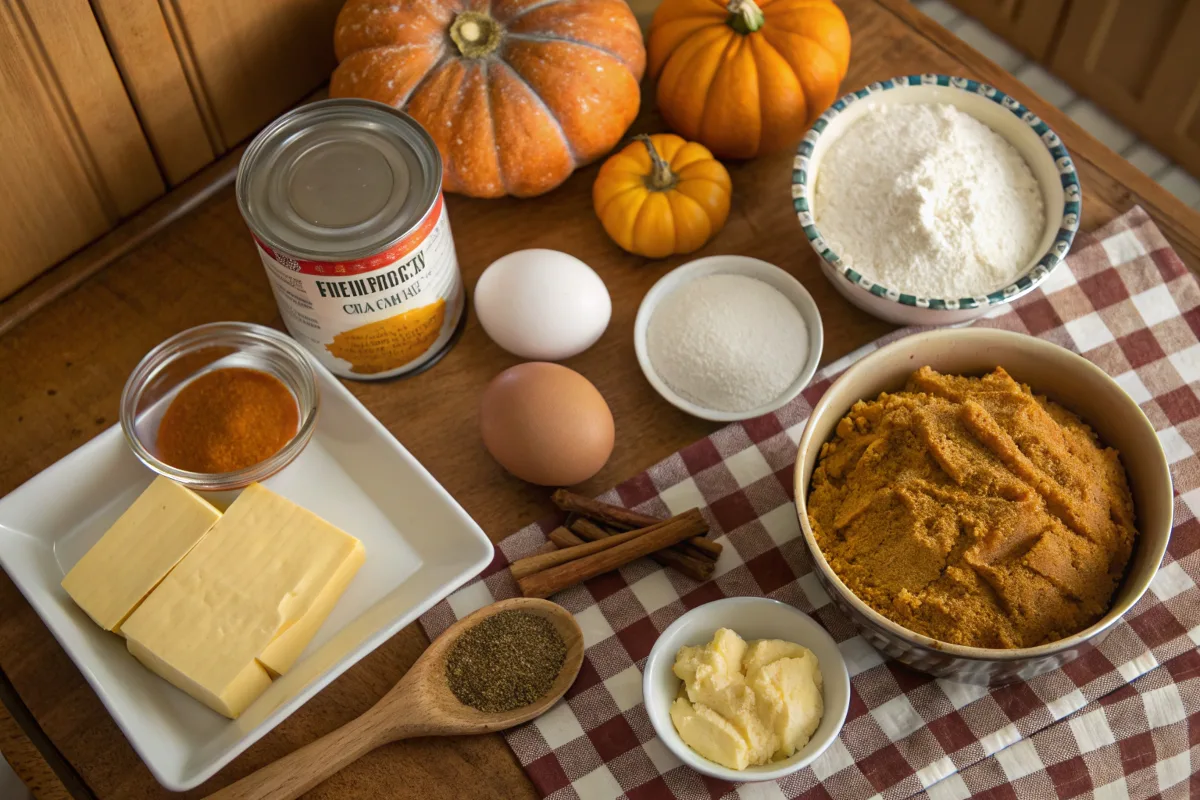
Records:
x=661, y=195
x=516, y=93
x=745, y=79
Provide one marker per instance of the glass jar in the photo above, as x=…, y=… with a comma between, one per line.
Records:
x=159, y=376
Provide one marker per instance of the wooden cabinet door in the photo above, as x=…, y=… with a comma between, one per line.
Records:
x=206, y=74
x=1140, y=61
x=1028, y=25
x=73, y=159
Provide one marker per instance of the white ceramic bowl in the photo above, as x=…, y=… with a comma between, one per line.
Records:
x=1068, y=379
x=769, y=274
x=750, y=618
x=1041, y=148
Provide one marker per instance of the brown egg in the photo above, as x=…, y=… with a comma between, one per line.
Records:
x=546, y=424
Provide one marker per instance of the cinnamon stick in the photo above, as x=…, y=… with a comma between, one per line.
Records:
x=676, y=557
x=555, y=579
x=708, y=547
x=622, y=518
x=697, y=569
x=547, y=547
x=562, y=537
x=695, y=552
x=592, y=531
x=589, y=530
x=536, y=563
x=616, y=516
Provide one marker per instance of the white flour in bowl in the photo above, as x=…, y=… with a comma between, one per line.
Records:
x=926, y=200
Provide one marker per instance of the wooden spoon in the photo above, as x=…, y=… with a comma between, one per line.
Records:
x=421, y=704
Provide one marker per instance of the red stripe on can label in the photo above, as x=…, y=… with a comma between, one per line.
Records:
x=358, y=266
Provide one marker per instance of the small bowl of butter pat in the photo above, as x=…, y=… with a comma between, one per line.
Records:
x=746, y=689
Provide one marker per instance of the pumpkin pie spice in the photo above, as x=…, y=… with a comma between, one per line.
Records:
x=226, y=420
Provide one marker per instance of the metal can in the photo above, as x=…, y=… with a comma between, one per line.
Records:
x=344, y=199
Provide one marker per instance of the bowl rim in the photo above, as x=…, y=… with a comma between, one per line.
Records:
x=802, y=201
x=694, y=760
x=728, y=264
x=1114, y=613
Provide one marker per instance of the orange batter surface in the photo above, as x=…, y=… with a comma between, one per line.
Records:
x=974, y=512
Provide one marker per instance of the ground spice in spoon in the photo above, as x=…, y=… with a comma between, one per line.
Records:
x=507, y=661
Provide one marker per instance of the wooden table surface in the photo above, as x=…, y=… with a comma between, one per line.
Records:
x=65, y=366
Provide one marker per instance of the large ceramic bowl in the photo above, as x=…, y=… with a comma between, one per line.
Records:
x=1038, y=145
x=1048, y=369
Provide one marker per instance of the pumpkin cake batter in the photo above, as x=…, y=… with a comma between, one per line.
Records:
x=973, y=512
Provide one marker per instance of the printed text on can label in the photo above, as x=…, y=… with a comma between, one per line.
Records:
x=375, y=317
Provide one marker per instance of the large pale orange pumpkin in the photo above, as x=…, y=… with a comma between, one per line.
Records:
x=745, y=78
x=516, y=93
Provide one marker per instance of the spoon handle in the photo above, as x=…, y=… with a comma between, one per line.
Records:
x=297, y=772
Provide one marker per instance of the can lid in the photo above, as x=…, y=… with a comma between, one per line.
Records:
x=337, y=179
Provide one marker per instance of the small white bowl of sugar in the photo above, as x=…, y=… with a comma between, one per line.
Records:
x=728, y=338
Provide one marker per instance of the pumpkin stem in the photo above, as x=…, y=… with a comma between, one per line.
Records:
x=745, y=16
x=661, y=177
x=475, y=33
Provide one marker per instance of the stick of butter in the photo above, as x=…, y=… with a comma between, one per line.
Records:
x=142, y=546
x=240, y=608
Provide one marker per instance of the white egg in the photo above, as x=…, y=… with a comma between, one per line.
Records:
x=542, y=305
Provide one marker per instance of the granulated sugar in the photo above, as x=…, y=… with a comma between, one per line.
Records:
x=727, y=342
x=926, y=200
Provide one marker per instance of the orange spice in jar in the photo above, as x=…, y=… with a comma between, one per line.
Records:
x=226, y=420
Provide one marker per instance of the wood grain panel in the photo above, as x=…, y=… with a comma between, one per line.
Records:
x=1128, y=51
x=1138, y=59
x=249, y=61
x=74, y=157
x=1028, y=25
x=98, y=108
x=150, y=63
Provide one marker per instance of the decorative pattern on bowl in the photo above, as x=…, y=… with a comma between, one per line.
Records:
x=1068, y=225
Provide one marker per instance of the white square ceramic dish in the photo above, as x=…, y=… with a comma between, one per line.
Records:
x=420, y=545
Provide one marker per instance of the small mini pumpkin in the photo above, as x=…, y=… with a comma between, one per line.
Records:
x=662, y=195
x=746, y=79
x=515, y=93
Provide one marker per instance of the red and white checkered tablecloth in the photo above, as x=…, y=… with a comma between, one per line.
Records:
x=1122, y=720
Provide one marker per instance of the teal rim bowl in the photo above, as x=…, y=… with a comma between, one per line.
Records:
x=1068, y=219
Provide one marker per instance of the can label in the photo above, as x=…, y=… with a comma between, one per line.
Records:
x=379, y=316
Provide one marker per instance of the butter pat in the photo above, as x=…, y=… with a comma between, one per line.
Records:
x=244, y=603
x=710, y=734
x=747, y=704
x=142, y=546
x=789, y=700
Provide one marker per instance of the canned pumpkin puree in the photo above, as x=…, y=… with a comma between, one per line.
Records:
x=344, y=200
